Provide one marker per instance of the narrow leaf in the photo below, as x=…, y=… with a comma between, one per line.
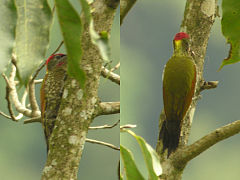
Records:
x=32, y=35
x=71, y=28
x=132, y=172
x=150, y=156
x=86, y=11
x=230, y=29
x=8, y=23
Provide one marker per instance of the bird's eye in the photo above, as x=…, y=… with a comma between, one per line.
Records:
x=58, y=56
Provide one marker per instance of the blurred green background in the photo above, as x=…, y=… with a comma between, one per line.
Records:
x=23, y=149
x=146, y=45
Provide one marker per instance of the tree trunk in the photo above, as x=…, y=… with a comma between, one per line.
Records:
x=78, y=107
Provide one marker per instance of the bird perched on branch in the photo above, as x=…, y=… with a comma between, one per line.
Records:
x=51, y=92
x=179, y=79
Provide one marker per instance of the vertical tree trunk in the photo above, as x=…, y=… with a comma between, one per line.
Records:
x=78, y=106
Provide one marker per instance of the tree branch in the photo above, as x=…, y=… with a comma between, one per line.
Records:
x=59, y=46
x=32, y=120
x=116, y=67
x=14, y=96
x=209, y=85
x=38, y=81
x=102, y=143
x=106, y=108
x=110, y=75
x=125, y=6
x=5, y=115
x=105, y=126
x=32, y=99
x=187, y=153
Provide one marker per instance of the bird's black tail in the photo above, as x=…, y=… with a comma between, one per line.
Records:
x=170, y=134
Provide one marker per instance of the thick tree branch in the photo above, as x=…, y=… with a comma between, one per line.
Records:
x=106, y=108
x=125, y=6
x=209, y=85
x=187, y=153
x=110, y=75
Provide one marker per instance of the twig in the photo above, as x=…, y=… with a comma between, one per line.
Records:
x=38, y=81
x=7, y=97
x=5, y=115
x=37, y=71
x=40, y=68
x=106, y=108
x=189, y=152
x=209, y=85
x=127, y=126
x=32, y=98
x=105, y=126
x=59, y=46
x=110, y=75
x=102, y=143
x=116, y=67
x=125, y=6
x=32, y=120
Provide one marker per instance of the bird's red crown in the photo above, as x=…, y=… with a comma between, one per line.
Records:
x=52, y=56
x=181, y=35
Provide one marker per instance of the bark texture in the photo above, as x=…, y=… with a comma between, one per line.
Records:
x=78, y=107
x=199, y=17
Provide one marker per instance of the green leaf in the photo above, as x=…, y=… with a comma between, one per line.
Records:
x=32, y=35
x=8, y=23
x=71, y=28
x=101, y=40
x=150, y=156
x=230, y=29
x=86, y=11
x=132, y=172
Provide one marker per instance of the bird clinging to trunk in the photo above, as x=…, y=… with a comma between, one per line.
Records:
x=51, y=92
x=179, y=79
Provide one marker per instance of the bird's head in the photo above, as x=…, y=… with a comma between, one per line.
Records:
x=56, y=61
x=181, y=44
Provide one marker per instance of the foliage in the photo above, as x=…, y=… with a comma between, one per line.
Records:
x=231, y=30
x=32, y=22
x=8, y=22
x=150, y=156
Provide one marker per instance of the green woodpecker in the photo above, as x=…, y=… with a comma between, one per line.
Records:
x=51, y=92
x=179, y=79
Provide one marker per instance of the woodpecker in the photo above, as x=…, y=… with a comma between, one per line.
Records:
x=179, y=79
x=51, y=92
